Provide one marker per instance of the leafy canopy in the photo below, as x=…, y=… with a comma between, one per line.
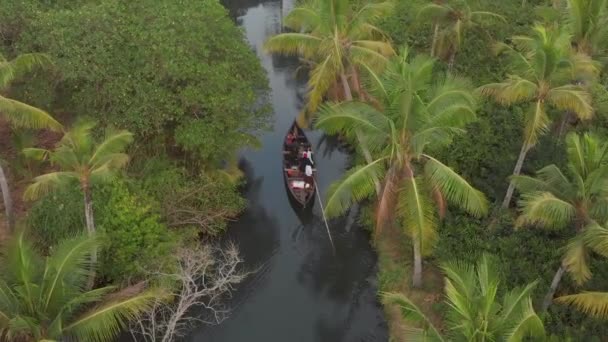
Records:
x=180, y=70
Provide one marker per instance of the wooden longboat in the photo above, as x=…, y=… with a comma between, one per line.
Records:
x=301, y=191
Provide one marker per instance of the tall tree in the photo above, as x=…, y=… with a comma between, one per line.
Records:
x=451, y=22
x=417, y=110
x=42, y=298
x=576, y=198
x=474, y=311
x=542, y=74
x=338, y=38
x=81, y=160
x=18, y=113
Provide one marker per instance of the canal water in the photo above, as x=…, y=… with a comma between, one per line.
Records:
x=301, y=290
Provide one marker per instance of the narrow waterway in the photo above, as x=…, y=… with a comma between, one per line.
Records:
x=301, y=290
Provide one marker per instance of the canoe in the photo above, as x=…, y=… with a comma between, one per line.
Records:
x=301, y=189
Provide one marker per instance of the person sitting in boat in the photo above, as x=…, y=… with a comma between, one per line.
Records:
x=290, y=139
x=308, y=155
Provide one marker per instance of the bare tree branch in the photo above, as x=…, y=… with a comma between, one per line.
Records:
x=205, y=277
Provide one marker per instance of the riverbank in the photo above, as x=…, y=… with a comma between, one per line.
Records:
x=394, y=275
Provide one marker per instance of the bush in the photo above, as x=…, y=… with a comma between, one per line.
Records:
x=133, y=235
x=57, y=216
x=134, y=239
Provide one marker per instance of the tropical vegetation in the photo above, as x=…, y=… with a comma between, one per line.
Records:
x=418, y=113
x=576, y=198
x=44, y=298
x=474, y=310
x=512, y=99
x=338, y=39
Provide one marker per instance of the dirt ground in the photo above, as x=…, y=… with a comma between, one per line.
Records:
x=390, y=245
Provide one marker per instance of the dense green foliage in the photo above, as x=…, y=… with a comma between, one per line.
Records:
x=177, y=68
x=132, y=236
x=134, y=240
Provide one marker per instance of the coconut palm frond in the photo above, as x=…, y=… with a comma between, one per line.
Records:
x=23, y=267
x=302, y=19
x=576, y=260
x=596, y=238
x=513, y=90
x=46, y=183
x=352, y=118
x=24, y=115
x=594, y=304
x=36, y=153
x=544, y=209
x=536, y=123
x=71, y=258
x=460, y=287
x=113, y=144
x=10, y=70
x=526, y=324
x=489, y=15
x=418, y=213
x=433, y=12
x=454, y=188
x=572, y=98
x=322, y=76
x=104, y=322
x=294, y=44
x=411, y=312
x=356, y=185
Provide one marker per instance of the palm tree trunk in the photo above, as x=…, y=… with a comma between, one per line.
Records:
x=366, y=154
x=90, y=222
x=348, y=95
x=417, y=277
x=434, y=42
x=8, y=203
x=556, y=279
x=516, y=171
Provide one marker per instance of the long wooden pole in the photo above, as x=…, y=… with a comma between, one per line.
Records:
x=324, y=218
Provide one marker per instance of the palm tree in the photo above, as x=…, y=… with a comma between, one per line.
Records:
x=577, y=198
x=416, y=112
x=337, y=39
x=542, y=75
x=474, y=312
x=587, y=21
x=80, y=160
x=451, y=23
x=42, y=298
x=18, y=113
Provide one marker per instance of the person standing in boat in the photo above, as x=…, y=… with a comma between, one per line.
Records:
x=308, y=179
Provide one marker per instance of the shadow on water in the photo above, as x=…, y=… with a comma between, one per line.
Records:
x=302, y=290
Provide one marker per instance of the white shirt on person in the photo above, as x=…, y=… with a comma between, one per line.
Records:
x=308, y=171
